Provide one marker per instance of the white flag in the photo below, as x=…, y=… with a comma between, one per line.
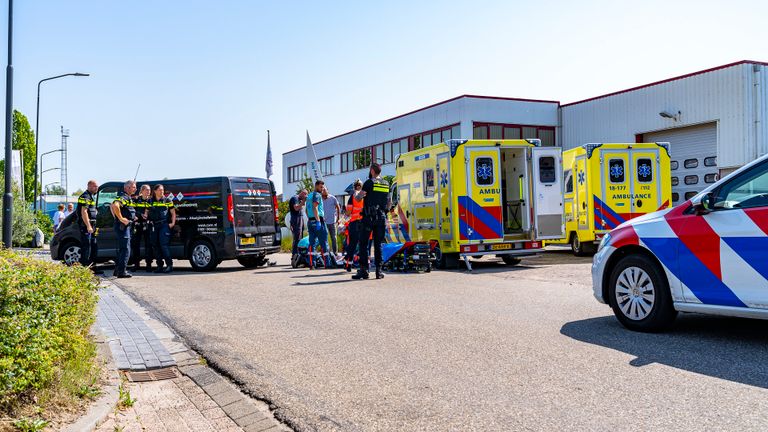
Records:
x=269, y=157
x=313, y=167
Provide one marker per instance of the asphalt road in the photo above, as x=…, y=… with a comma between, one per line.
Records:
x=524, y=348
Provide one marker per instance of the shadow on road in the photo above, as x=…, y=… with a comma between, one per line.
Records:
x=328, y=282
x=732, y=349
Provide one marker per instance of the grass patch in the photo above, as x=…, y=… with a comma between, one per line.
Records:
x=124, y=400
x=47, y=358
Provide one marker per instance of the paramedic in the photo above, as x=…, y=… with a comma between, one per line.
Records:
x=295, y=207
x=316, y=215
x=355, y=212
x=375, y=206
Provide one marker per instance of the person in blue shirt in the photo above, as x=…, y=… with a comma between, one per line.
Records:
x=316, y=228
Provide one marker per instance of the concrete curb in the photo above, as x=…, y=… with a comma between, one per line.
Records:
x=103, y=406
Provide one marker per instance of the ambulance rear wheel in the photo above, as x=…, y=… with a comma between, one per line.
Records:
x=581, y=249
x=446, y=260
x=510, y=260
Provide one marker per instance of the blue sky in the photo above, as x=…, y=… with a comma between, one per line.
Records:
x=189, y=88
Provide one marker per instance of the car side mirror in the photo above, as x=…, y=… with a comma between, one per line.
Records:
x=704, y=204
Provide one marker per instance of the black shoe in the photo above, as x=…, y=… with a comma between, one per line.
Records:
x=124, y=276
x=168, y=269
x=159, y=269
x=379, y=274
x=295, y=261
x=348, y=267
x=360, y=275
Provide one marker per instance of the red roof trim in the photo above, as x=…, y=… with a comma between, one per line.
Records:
x=426, y=108
x=741, y=62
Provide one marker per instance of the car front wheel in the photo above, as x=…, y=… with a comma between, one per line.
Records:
x=70, y=253
x=639, y=295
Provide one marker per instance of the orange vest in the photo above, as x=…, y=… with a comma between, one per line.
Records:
x=355, y=210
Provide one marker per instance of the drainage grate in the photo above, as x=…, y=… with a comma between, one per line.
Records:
x=152, y=375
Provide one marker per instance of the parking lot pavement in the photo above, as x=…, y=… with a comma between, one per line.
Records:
x=523, y=348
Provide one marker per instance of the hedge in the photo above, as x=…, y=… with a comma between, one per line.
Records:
x=46, y=311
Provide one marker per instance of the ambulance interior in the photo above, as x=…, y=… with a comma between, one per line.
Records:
x=514, y=181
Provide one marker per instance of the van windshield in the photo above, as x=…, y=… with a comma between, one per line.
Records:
x=252, y=204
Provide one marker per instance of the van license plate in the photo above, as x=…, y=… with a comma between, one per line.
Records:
x=504, y=246
x=248, y=240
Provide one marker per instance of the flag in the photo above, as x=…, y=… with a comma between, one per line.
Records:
x=269, y=157
x=313, y=167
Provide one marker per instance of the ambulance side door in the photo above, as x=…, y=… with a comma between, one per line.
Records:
x=581, y=205
x=547, y=192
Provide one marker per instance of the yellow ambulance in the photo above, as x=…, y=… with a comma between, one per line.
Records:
x=470, y=198
x=607, y=184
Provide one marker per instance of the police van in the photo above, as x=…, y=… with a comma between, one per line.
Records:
x=471, y=198
x=607, y=184
x=217, y=218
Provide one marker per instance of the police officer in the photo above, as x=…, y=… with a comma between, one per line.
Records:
x=141, y=230
x=125, y=215
x=162, y=217
x=86, y=220
x=375, y=205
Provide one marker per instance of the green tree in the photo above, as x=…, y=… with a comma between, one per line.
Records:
x=24, y=140
x=389, y=179
x=77, y=193
x=362, y=158
x=305, y=183
x=55, y=190
x=23, y=220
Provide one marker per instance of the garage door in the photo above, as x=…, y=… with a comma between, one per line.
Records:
x=694, y=158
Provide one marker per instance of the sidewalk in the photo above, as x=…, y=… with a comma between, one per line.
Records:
x=193, y=398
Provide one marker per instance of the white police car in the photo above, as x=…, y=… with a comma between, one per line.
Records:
x=707, y=255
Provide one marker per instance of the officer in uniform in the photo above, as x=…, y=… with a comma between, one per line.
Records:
x=125, y=215
x=141, y=230
x=86, y=220
x=375, y=205
x=162, y=217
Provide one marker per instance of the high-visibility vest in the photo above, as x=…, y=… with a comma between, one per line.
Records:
x=355, y=210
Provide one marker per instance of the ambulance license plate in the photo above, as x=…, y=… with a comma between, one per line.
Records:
x=503, y=246
x=248, y=240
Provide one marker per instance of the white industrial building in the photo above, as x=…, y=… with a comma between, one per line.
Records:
x=716, y=120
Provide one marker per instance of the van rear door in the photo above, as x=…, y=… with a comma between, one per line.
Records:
x=646, y=190
x=480, y=210
x=253, y=213
x=548, y=192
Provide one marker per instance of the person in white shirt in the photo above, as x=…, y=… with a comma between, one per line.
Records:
x=58, y=217
x=70, y=209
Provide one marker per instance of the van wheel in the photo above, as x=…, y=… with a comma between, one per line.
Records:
x=252, y=261
x=71, y=253
x=510, y=260
x=202, y=256
x=581, y=249
x=639, y=295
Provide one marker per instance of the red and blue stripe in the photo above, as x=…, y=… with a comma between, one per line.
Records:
x=477, y=222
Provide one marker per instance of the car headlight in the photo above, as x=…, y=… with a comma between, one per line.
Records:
x=604, y=242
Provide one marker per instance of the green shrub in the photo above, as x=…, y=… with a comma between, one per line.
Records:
x=23, y=220
x=46, y=311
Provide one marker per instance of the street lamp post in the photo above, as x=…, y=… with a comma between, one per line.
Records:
x=37, y=119
x=41, y=170
x=8, y=194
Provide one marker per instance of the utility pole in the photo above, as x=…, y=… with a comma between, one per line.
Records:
x=64, y=174
x=8, y=195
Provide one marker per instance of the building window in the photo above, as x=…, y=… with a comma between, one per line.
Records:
x=674, y=165
x=689, y=195
x=378, y=152
x=691, y=180
x=511, y=133
x=675, y=181
x=507, y=131
x=710, y=161
x=495, y=132
x=416, y=142
x=326, y=166
x=710, y=178
x=429, y=182
x=480, y=132
x=547, y=137
x=455, y=132
x=691, y=163
x=644, y=171
x=297, y=173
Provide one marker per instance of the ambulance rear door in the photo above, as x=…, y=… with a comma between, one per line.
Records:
x=480, y=210
x=614, y=205
x=547, y=192
x=646, y=190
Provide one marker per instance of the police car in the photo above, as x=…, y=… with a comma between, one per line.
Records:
x=707, y=255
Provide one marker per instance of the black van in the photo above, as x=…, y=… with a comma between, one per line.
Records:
x=217, y=218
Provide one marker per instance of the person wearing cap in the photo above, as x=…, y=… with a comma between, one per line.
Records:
x=375, y=205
